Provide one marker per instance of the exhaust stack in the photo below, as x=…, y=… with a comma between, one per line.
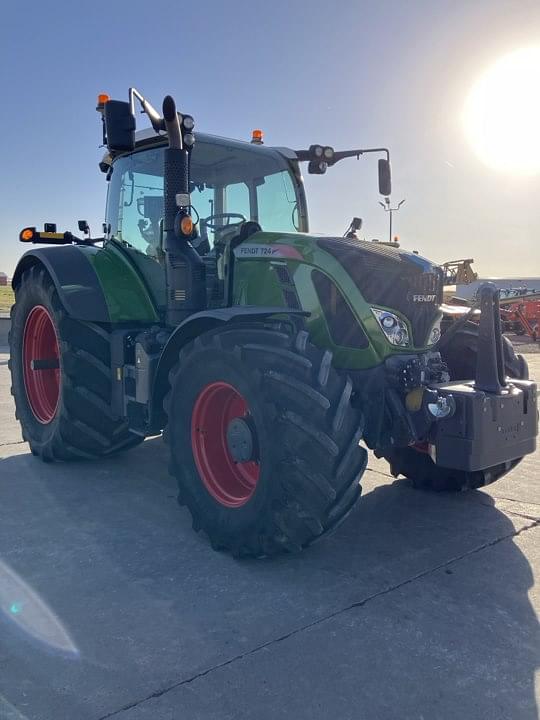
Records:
x=185, y=270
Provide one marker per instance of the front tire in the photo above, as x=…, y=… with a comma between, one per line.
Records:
x=264, y=441
x=60, y=373
x=417, y=465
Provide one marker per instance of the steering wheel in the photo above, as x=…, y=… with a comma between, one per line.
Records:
x=211, y=222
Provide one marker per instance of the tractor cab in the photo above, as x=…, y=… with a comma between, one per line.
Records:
x=231, y=182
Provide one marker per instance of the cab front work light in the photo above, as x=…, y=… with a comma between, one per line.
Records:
x=393, y=327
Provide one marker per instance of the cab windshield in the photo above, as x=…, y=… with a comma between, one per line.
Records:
x=230, y=182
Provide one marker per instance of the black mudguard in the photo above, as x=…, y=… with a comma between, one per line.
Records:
x=74, y=277
x=96, y=284
x=194, y=326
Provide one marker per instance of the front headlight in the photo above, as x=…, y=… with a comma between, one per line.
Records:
x=435, y=333
x=393, y=327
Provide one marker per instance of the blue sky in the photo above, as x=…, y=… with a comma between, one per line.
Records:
x=349, y=74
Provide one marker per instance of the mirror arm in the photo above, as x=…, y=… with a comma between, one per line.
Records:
x=341, y=155
x=305, y=155
x=155, y=118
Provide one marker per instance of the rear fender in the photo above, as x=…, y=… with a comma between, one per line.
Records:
x=94, y=284
x=74, y=279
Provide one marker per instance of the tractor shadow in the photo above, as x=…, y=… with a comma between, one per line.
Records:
x=112, y=533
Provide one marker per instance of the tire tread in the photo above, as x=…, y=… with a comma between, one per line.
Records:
x=317, y=432
x=85, y=427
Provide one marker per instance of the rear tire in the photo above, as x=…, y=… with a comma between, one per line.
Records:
x=418, y=466
x=302, y=478
x=67, y=416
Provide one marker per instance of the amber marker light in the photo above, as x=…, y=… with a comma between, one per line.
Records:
x=186, y=225
x=27, y=235
x=102, y=98
x=257, y=137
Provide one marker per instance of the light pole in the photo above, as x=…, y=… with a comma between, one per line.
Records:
x=387, y=208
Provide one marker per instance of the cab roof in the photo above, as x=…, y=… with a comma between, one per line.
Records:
x=149, y=138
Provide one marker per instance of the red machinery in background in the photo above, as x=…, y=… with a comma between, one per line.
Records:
x=521, y=317
x=519, y=307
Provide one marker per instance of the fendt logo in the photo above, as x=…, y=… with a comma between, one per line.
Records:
x=424, y=298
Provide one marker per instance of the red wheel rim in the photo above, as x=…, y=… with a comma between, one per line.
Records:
x=40, y=348
x=231, y=483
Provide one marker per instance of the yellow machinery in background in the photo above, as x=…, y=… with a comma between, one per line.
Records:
x=459, y=272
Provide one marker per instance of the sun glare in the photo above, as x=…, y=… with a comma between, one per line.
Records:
x=502, y=114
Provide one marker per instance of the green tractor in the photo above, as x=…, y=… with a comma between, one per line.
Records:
x=264, y=354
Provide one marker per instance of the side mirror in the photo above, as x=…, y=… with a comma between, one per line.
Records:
x=119, y=126
x=83, y=227
x=385, y=177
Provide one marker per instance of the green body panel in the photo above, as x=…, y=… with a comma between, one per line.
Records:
x=126, y=294
x=256, y=283
x=130, y=299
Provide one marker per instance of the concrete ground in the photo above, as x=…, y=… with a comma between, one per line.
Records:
x=419, y=606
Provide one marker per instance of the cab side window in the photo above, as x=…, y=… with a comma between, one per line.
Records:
x=135, y=208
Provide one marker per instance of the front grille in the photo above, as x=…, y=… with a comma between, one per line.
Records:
x=418, y=306
x=427, y=284
x=390, y=278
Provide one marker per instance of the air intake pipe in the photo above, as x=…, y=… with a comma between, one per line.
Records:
x=185, y=270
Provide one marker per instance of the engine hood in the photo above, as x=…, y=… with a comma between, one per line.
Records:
x=392, y=278
x=377, y=254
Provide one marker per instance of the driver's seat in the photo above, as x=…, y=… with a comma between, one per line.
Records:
x=238, y=233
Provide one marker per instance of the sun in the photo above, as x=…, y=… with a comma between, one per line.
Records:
x=501, y=116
